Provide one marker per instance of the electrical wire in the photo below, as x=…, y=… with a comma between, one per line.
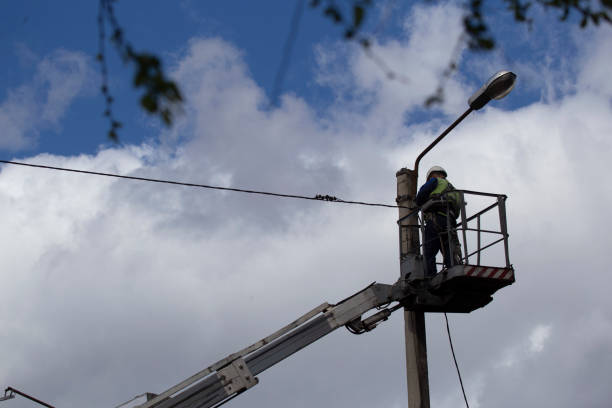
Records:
x=450, y=340
x=317, y=197
x=286, y=57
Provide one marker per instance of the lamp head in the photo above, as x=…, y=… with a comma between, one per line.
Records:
x=498, y=86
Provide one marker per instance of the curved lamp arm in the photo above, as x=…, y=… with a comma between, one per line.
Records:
x=498, y=86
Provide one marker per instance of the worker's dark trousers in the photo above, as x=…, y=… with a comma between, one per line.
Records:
x=436, y=239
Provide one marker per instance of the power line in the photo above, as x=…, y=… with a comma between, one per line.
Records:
x=317, y=197
x=286, y=57
x=450, y=340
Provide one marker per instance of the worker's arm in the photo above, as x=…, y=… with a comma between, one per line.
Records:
x=425, y=191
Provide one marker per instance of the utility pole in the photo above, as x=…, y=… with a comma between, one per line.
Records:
x=411, y=261
x=414, y=322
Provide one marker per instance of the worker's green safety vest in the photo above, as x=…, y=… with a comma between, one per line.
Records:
x=446, y=191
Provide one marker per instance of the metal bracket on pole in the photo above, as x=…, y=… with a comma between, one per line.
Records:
x=412, y=267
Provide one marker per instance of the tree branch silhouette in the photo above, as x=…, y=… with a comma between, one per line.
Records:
x=161, y=95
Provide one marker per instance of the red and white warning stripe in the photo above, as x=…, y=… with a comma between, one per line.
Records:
x=488, y=272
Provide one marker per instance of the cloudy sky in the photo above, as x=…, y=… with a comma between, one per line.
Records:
x=111, y=288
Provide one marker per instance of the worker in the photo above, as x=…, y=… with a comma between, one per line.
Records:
x=439, y=217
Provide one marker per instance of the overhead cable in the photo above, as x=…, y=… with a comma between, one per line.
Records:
x=286, y=57
x=318, y=197
x=450, y=340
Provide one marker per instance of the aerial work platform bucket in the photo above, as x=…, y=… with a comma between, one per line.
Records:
x=467, y=284
x=469, y=287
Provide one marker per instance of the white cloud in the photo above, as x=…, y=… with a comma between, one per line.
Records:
x=528, y=348
x=538, y=338
x=418, y=59
x=594, y=57
x=40, y=104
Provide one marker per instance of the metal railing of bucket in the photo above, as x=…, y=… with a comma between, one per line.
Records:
x=465, y=224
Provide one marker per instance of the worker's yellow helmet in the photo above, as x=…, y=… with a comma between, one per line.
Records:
x=436, y=169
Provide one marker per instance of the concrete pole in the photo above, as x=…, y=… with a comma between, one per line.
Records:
x=414, y=322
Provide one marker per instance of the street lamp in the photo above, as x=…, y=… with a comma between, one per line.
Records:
x=498, y=86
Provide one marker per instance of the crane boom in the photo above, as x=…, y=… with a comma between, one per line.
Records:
x=236, y=373
x=460, y=289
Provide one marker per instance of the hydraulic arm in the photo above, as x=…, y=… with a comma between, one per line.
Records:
x=460, y=289
x=236, y=373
